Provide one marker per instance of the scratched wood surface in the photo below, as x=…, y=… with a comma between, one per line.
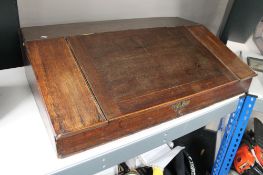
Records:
x=223, y=54
x=102, y=86
x=69, y=102
x=137, y=69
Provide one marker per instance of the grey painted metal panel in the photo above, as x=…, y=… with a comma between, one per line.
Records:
x=259, y=105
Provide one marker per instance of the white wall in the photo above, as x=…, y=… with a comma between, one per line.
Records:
x=45, y=12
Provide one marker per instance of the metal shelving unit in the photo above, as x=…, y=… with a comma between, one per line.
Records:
x=113, y=157
x=235, y=129
x=117, y=156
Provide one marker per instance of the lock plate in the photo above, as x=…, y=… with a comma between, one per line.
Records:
x=180, y=105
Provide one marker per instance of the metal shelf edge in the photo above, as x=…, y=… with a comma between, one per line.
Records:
x=109, y=159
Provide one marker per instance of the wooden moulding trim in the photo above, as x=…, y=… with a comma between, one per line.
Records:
x=66, y=135
x=239, y=69
x=176, y=99
x=68, y=145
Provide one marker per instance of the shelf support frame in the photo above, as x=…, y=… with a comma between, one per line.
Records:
x=234, y=132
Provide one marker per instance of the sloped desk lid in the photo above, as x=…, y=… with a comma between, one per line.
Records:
x=133, y=70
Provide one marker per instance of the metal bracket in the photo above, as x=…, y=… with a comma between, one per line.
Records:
x=233, y=134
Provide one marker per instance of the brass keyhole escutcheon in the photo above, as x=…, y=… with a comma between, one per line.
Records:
x=180, y=105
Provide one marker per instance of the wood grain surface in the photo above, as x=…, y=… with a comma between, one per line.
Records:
x=221, y=52
x=99, y=87
x=134, y=70
x=129, y=124
x=69, y=102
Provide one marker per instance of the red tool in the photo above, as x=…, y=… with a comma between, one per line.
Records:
x=249, y=157
x=244, y=159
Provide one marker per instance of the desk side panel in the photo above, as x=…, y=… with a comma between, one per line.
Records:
x=40, y=103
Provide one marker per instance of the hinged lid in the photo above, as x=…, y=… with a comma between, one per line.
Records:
x=97, y=87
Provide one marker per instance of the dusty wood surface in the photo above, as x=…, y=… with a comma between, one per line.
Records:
x=102, y=86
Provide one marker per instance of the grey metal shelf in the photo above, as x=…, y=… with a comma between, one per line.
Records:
x=114, y=157
x=259, y=105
